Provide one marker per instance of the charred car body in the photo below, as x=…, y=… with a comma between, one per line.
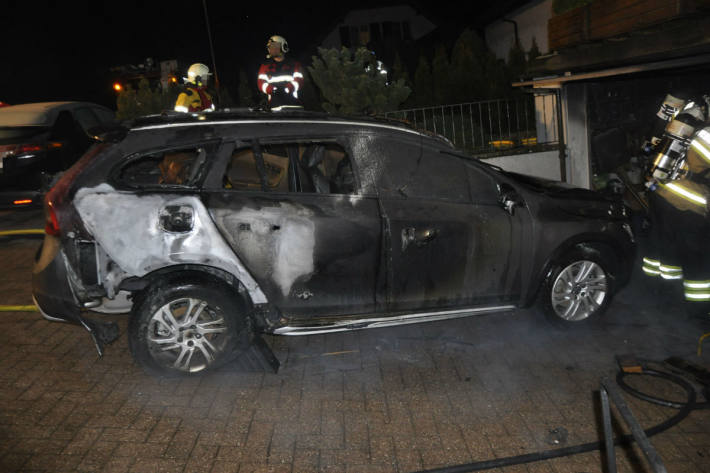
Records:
x=209, y=229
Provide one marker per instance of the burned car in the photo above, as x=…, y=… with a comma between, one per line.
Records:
x=210, y=229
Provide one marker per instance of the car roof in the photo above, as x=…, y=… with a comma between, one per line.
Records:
x=37, y=114
x=250, y=116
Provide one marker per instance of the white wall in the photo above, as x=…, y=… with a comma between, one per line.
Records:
x=532, y=22
x=545, y=164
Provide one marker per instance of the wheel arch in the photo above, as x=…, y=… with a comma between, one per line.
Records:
x=600, y=243
x=188, y=272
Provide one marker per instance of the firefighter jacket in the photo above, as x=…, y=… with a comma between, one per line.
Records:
x=194, y=99
x=692, y=192
x=281, y=81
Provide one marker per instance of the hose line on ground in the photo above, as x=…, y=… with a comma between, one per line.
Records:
x=684, y=410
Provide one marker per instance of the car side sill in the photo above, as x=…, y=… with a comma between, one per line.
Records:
x=375, y=322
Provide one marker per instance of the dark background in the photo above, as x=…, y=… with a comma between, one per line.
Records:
x=63, y=50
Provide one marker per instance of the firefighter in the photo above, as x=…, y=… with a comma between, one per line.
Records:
x=280, y=78
x=679, y=211
x=689, y=197
x=194, y=97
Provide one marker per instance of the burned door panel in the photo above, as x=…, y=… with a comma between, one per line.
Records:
x=313, y=253
x=450, y=242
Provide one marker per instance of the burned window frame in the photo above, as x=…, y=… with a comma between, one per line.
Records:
x=220, y=169
x=212, y=149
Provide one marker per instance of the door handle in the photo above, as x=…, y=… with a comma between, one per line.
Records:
x=417, y=236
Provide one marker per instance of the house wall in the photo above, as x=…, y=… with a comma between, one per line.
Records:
x=532, y=22
x=544, y=164
x=419, y=25
x=575, y=117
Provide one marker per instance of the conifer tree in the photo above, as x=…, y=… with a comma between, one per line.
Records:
x=423, y=84
x=442, y=77
x=245, y=91
x=350, y=83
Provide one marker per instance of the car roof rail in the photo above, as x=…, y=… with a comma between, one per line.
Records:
x=108, y=133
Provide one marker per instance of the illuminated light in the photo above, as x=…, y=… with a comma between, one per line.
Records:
x=117, y=87
x=202, y=117
x=54, y=144
x=689, y=105
x=173, y=80
x=22, y=202
x=692, y=196
x=501, y=143
x=697, y=284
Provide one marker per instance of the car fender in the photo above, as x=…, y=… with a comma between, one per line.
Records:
x=139, y=244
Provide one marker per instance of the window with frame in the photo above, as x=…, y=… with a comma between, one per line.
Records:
x=176, y=167
x=312, y=167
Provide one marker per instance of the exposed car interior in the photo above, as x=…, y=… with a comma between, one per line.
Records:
x=322, y=168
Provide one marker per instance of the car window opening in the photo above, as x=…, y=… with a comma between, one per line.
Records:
x=322, y=168
x=165, y=168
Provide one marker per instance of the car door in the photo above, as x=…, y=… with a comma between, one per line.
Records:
x=293, y=212
x=450, y=242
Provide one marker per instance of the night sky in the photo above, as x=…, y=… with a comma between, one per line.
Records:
x=63, y=50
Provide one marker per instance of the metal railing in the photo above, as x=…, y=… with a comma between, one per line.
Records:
x=491, y=127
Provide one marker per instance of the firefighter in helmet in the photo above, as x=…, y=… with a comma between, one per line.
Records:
x=194, y=97
x=681, y=192
x=280, y=78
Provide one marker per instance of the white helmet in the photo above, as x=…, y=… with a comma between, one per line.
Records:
x=197, y=73
x=280, y=40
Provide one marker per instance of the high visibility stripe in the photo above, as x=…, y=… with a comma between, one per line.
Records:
x=298, y=75
x=651, y=272
x=671, y=276
x=284, y=78
x=685, y=193
x=670, y=269
x=701, y=149
x=651, y=262
x=697, y=296
x=264, y=87
x=696, y=284
x=263, y=77
x=181, y=108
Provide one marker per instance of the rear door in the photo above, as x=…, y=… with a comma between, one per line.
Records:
x=450, y=243
x=293, y=212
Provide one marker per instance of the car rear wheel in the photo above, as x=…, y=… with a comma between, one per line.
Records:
x=577, y=288
x=187, y=328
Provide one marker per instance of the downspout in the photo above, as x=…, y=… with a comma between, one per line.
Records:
x=561, y=136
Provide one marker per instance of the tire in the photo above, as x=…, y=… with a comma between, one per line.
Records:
x=187, y=328
x=578, y=288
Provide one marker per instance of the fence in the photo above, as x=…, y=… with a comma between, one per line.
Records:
x=491, y=127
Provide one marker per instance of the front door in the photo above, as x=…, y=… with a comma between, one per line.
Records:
x=451, y=245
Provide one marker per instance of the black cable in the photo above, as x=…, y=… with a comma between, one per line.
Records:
x=684, y=410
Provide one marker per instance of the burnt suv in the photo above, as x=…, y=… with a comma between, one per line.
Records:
x=210, y=229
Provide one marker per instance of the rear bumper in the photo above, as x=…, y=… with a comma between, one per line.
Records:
x=50, y=285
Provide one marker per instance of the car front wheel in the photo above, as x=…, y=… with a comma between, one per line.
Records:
x=187, y=328
x=577, y=288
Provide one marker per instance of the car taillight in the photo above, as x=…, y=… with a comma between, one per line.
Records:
x=52, y=225
x=24, y=149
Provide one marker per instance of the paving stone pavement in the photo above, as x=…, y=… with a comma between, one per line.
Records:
x=386, y=400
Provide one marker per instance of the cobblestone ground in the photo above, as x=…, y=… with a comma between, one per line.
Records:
x=387, y=400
